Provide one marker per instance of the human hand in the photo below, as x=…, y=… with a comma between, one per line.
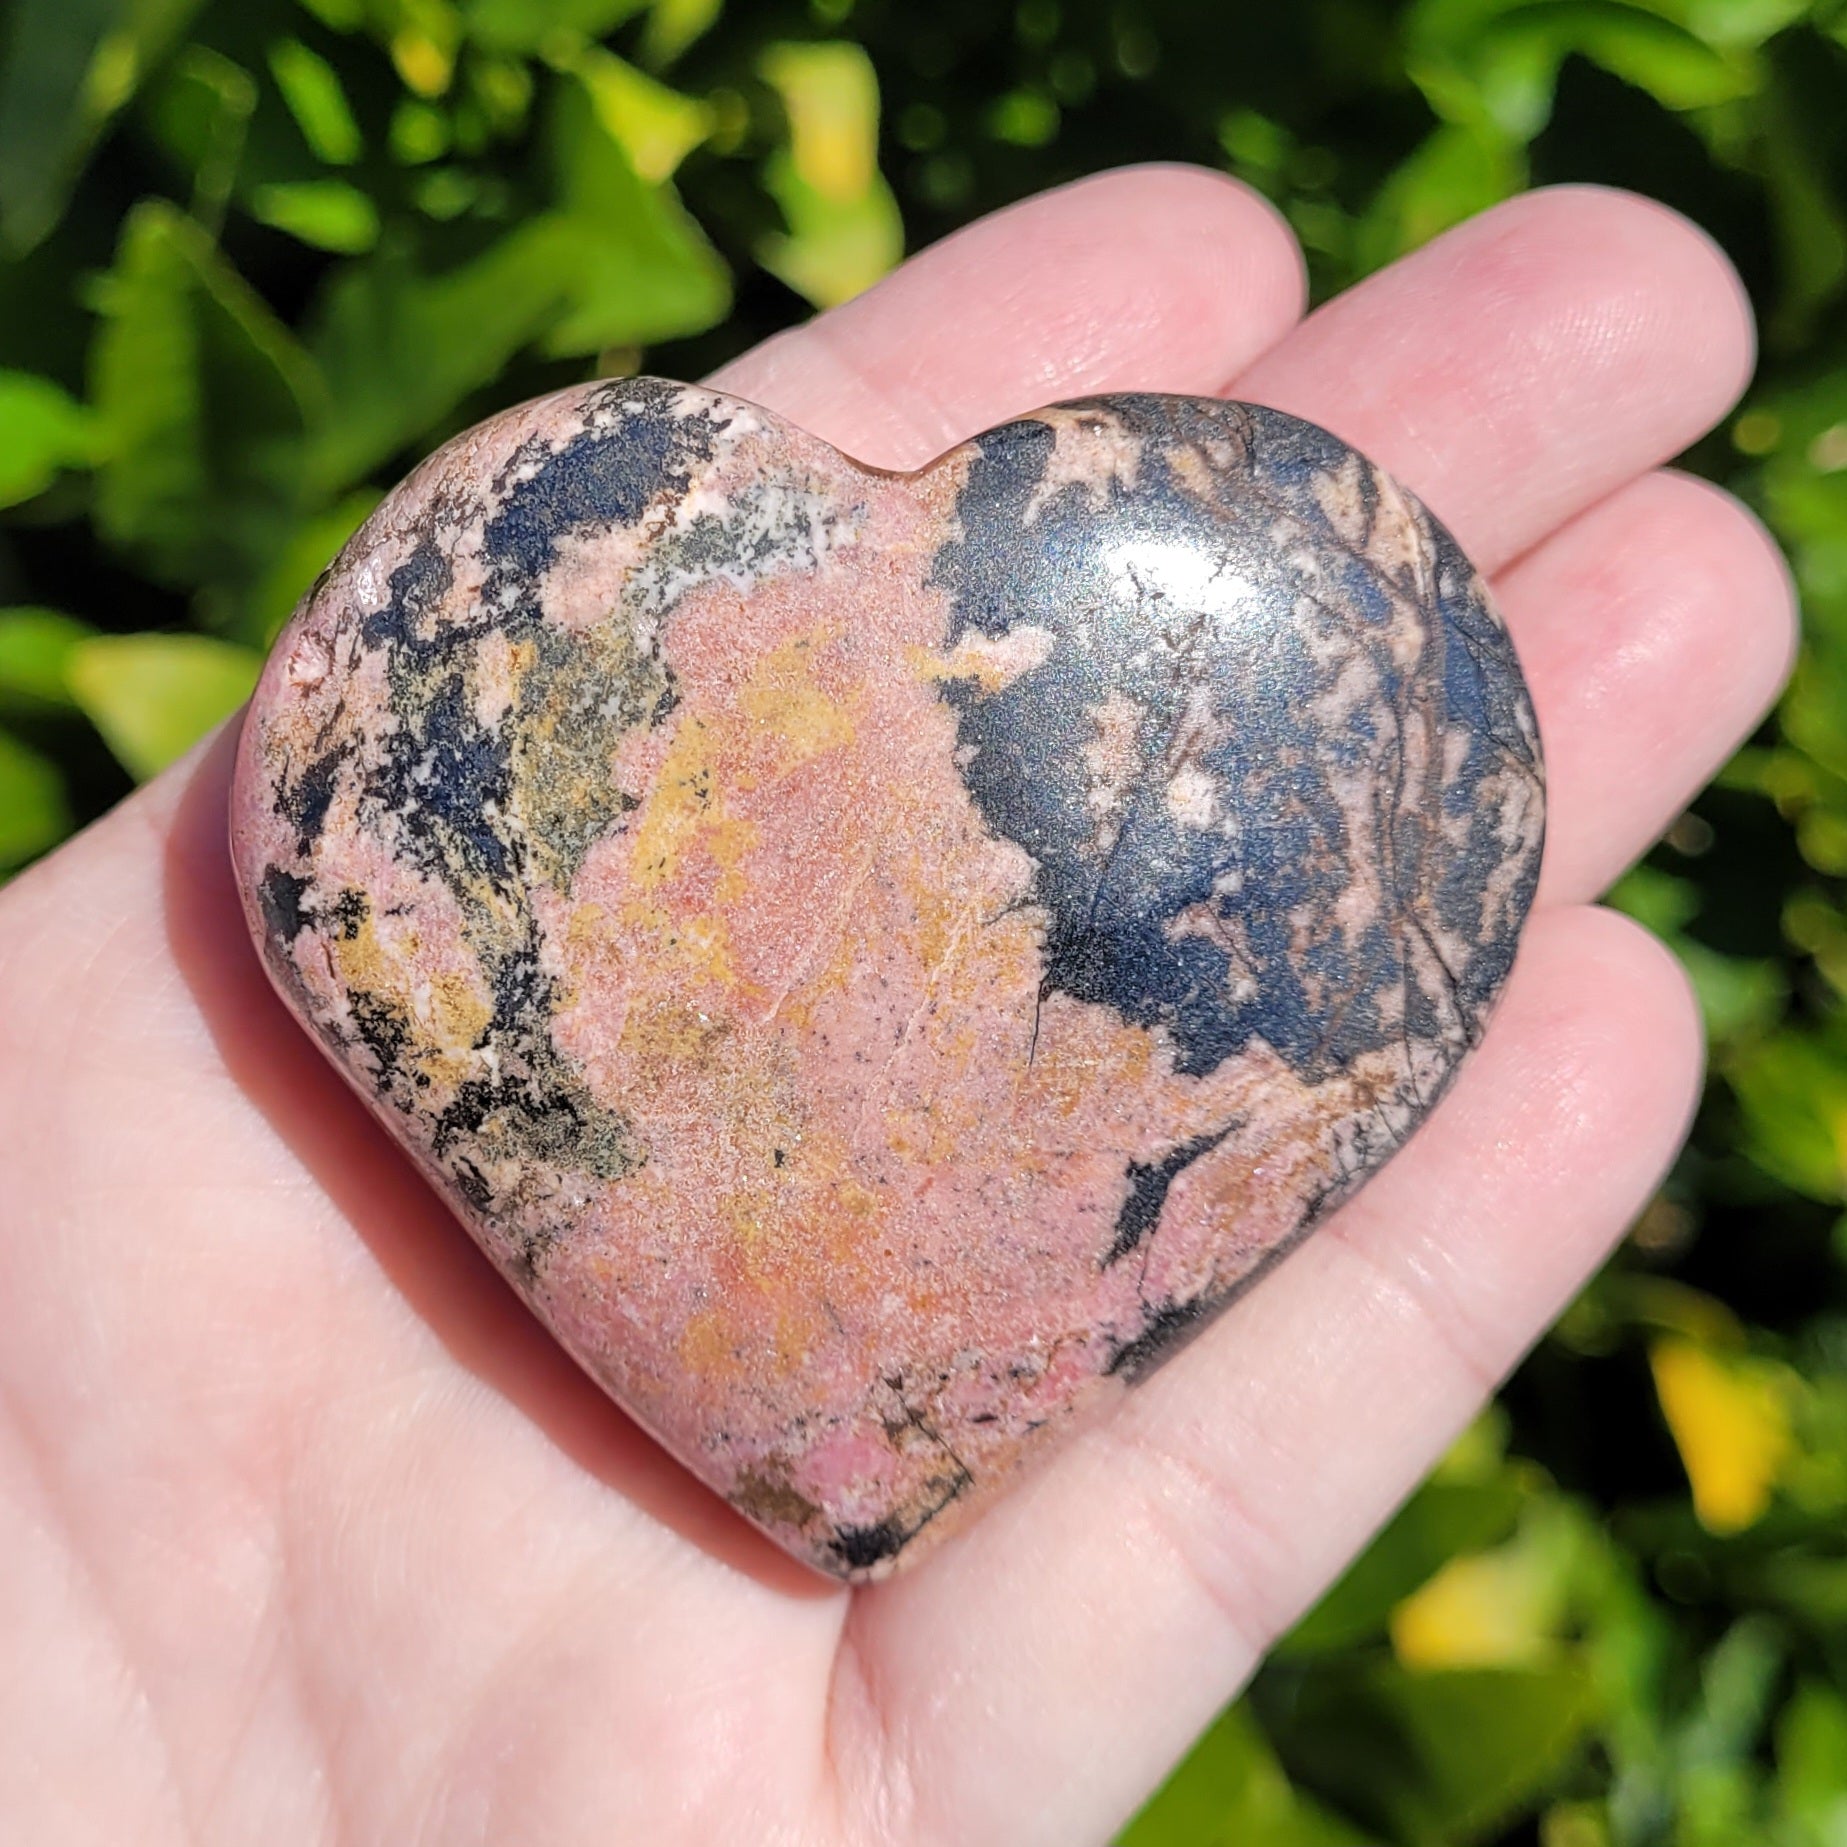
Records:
x=310, y=1532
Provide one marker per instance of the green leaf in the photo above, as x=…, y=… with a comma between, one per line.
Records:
x=309, y=550
x=204, y=399
x=532, y=25
x=1457, y=172
x=419, y=133
x=1657, y=900
x=1793, y=1092
x=1487, y=1742
x=424, y=37
x=1737, y=996
x=35, y=650
x=1025, y=118
x=1434, y=1757
x=1492, y=65
x=338, y=15
x=34, y=815
x=844, y=229
x=328, y=214
x=1811, y=1752
x=316, y=99
x=1804, y=153
x=154, y=696
x=1737, y=1683
x=654, y=126
x=673, y=25
x=66, y=67
x=1440, y=1521
x=1485, y=65
x=1678, y=69
x=201, y=116
x=1739, y=22
x=400, y=349
x=1231, y=1792
x=43, y=430
x=639, y=267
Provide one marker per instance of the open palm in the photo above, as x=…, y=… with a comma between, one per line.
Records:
x=310, y=1533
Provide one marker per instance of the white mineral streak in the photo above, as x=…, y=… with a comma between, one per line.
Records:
x=1090, y=450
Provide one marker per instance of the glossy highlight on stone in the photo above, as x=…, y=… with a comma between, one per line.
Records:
x=879, y=961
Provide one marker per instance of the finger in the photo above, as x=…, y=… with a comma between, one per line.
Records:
x=1160, y=278
x=1655, y=630
x=1520, y=368
x=1097, y=1618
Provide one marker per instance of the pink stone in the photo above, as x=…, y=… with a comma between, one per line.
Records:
x=880, y=961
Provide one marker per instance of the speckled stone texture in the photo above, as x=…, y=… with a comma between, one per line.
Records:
x=879, y=961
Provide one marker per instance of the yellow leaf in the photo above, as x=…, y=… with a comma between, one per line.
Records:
x=1730, y=1421
x=1495, y=1609
x=832, y=99
x=845, y=230
x=154, y=696
x=654, y=126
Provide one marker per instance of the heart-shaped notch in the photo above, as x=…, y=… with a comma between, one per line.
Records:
x=879, y=961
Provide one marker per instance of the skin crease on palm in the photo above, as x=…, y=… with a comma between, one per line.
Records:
x=311, y=1535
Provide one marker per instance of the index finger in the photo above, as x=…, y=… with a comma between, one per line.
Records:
x=1159, y=278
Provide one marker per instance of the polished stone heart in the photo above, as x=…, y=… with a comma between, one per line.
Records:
x=879, y=961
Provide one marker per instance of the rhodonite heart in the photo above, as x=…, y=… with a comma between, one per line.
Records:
x=880, y=960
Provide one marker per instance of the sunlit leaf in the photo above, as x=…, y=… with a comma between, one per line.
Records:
x=639, y=267
x=1441, y=1520
x=529, y=25
x=654, y=126
x=844, y=228
x=66, y=66
x=317, y=100
x=674, y=25
x=1493, y=65
x=1458, y=171
x=1486, y=1611
x=502, y=88
x=1674, y=66
x=419, y=133
x=329, y=214
x=1730, y=1421
x=1657, y=900
x=424, y=37
x=1738, y=996
x=154, y=696
x=618, y=263
x=204, y=399
x=43, y=430
x=34, y=815
x=1793, y=1091
x=35, y=650
x=1739, y=22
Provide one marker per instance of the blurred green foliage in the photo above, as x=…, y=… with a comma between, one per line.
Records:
x=260, y=255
